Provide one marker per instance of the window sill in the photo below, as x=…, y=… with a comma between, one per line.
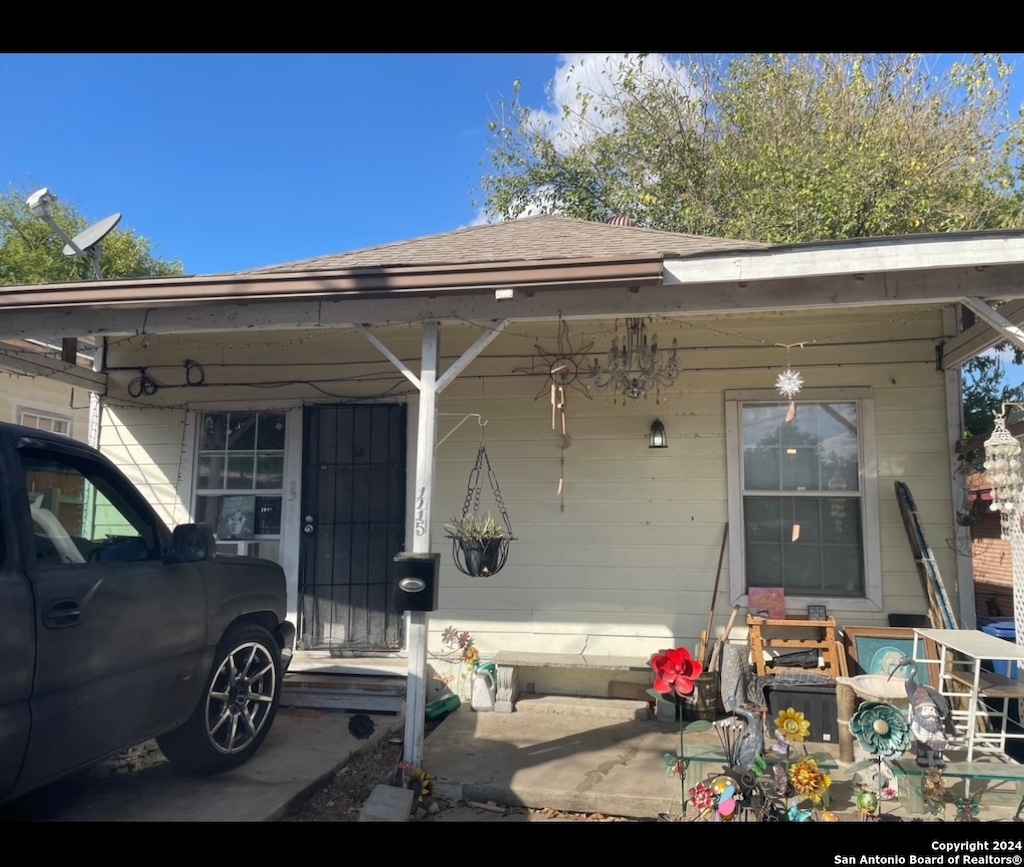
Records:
x=798, y=604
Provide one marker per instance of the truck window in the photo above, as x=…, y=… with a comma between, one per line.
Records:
x=79, y=514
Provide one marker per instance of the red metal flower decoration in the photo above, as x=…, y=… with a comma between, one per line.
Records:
x=675, y=671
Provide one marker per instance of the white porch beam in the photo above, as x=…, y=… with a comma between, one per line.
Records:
x=36, y=364
x=979, y=338
x=471, y=353
x=1007, y=329
x=390, y=356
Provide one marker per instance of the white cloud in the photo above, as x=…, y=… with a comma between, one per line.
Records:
x=594, y=77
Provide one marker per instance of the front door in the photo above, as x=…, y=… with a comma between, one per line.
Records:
x=353, y=508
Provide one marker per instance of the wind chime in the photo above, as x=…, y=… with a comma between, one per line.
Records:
x=562, y=373
x=1003, y=466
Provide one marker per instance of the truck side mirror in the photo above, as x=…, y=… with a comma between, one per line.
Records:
x=191, y=543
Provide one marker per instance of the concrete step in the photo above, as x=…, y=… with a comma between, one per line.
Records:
x=347, y=692
x=329, y=663
x=614, y=709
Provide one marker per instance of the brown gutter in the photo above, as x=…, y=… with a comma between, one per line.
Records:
x=352, y=282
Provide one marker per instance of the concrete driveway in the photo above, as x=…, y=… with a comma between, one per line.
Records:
x=301, y=752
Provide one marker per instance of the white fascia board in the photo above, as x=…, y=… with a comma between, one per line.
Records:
x=889, y=255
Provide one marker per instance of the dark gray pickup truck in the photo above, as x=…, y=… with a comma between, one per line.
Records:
x=114, y=630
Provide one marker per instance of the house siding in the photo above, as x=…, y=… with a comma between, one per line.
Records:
x=147, y=445
x=46, y=396
x=628, y=565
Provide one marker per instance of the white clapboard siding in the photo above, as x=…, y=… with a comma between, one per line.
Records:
x=147, y=444
x=624, y=559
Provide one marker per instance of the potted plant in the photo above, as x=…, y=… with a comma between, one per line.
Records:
x=482, y=541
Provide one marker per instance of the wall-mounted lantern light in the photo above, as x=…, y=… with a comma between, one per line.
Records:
x=658, y=438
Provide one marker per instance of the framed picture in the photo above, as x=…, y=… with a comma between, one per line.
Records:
x=237, y=518
x=879, y=649
x=767, y=602
x=817, y=612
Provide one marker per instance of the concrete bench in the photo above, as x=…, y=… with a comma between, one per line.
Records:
x=509, y=662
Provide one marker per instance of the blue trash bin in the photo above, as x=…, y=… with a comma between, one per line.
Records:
x=1006, y=630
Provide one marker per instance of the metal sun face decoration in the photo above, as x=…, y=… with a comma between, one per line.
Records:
x=563, y=372
x=789, y=383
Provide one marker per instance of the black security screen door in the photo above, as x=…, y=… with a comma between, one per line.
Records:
x=353, y=509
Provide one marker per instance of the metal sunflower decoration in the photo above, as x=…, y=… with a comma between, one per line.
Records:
x=881, y=729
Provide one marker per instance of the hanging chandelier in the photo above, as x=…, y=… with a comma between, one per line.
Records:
x=637, y=367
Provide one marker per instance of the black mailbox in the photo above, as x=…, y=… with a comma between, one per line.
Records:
x=416, y=580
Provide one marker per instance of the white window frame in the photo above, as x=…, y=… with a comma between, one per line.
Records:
x=246, y=547
x=871, y=541
x=49, y=416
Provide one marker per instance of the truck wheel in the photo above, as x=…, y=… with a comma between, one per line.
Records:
x=237, y=708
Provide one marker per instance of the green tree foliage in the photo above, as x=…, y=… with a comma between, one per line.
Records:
x=774, y=148
x=769, y=147
x=31, y=252
x=985, y=391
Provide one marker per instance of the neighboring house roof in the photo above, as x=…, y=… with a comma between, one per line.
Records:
x=529, y=239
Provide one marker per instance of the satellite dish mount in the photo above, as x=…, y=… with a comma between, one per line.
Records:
x=86, y=243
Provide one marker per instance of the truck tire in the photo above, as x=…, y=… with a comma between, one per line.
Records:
x=237, y=708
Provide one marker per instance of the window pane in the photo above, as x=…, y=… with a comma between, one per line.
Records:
x=268, y=516
x=215, y=425
x=242, y=431
x=808, y=545
x=271, y=431
x=242, y=452
x=207, y=510
x=211, y=472
x=240, y=472
x=800, y=447
x=270, y=471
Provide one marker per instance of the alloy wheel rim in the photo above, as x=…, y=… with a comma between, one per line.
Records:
x=240, y=697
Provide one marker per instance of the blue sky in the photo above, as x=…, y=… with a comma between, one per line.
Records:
x=235, y=161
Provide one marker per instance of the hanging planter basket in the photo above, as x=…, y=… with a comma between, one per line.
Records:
x=480, y=540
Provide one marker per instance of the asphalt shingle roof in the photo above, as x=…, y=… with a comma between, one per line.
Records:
x=529, y=239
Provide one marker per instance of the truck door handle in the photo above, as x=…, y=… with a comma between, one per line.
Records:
x=61, y=613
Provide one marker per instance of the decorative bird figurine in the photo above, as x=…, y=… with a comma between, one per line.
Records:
x=751, y=743
x=931, y=722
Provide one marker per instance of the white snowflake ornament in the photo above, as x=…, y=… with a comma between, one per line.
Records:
x=789, y=383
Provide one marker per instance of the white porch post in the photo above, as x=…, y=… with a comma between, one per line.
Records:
x=426, y=436
x=430, y=385
x=953, y=377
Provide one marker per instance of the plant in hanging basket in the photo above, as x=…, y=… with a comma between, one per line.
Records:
x=480, y=544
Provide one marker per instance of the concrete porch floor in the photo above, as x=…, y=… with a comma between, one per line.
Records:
x=571, y=761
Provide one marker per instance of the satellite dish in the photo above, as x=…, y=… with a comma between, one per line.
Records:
x=84, y=241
